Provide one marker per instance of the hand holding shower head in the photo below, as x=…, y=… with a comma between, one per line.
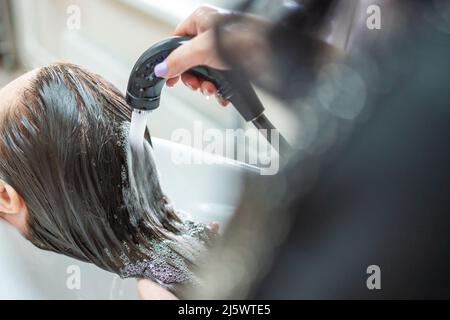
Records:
x=144, y=87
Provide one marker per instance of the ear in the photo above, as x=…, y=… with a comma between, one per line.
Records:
x=10, y=201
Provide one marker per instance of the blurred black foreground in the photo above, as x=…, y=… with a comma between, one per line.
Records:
x=362, y=209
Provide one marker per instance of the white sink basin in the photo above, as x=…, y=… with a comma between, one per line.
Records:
x=208, y=192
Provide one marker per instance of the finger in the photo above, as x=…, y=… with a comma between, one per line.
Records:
x=190, y=81
x=208, y=88
x=186, y=27
x=172, y=81
x=214, y=226
x=190, y=25
x=195, y=52
x=223, y=102
x=148, y=290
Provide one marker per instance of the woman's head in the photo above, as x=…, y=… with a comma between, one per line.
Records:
x=63, y=169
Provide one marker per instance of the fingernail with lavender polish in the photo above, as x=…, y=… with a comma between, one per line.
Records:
x=161, y=69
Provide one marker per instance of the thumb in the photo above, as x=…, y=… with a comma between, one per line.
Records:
x=183, y=58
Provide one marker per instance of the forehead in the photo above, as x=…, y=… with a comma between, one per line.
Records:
x=10, y=93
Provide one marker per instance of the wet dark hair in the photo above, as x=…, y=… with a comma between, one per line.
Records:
x=63, y=150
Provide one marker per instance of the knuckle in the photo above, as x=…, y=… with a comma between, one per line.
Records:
x=199, y=11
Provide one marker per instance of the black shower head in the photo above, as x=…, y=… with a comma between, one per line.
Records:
x=144, y=88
